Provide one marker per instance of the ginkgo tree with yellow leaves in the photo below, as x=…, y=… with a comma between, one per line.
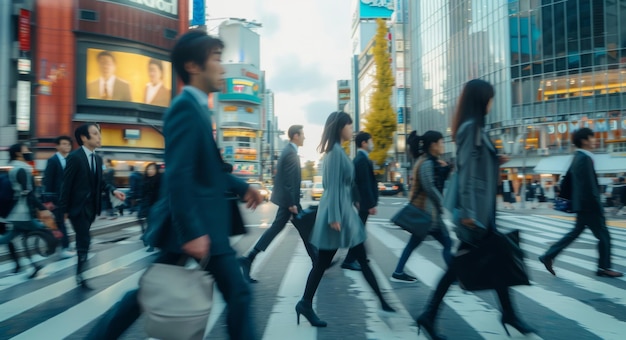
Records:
x=380, y=118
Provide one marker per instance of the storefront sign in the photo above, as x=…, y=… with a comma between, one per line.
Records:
x=168, y=8
x=23, y=66
x=372, y=9
x=23, y=105
x=24, y=30
x=239, y=89
x=246, y=73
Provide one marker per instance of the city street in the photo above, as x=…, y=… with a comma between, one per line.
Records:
x=574, y=305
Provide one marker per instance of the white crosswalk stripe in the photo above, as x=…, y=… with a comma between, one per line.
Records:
x=591, y=307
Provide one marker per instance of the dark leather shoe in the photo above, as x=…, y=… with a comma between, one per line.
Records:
x=82, y=282
x=37, y=269
x=548, y=264
x=246, y=264
x=351, y=266
x=609, y=273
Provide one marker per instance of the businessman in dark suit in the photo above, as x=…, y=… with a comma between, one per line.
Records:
x=366, y=187
x=82, y=189
x=286, y=195
x=108, y=86
x=52, y=180
x=192, y=216
x=587, y=205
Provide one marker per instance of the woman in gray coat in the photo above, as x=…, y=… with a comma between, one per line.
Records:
x=477, y=171
x=337, y=224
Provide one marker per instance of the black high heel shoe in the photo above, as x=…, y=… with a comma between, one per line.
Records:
x=518, y=324
x=306, y=309
x=429, y=328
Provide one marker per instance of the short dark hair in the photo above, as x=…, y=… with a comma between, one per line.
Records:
x=106, y=54
x=131, y=168
x=195, y=46
x=361, y=137
x=581, y=134
x=15, y=149
x=157, y=63
x=83, y=130
x=59, y=139
x=294, y=130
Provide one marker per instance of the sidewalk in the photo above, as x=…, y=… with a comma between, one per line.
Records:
x=545, y=209
x=99, y=227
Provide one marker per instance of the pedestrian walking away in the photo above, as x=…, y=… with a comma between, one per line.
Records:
x=586, y=203
x=82, y=190
x=286, y=195
x=52, y=181
x=150, y=195
x=192, y=215
x=337, y=224
x=477, y=174
x=366, y=188
x=429, y=177
x=21, y=215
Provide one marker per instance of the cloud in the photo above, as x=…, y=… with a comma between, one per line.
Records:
x=316, y=112
x=294, y=76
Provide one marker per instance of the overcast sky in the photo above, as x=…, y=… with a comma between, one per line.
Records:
x=305, y=49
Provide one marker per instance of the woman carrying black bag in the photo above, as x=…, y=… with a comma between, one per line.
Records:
x=429, y=176
x=475, y=204
x=150, y=190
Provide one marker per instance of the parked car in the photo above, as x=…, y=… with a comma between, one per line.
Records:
x=317, y=191
x=390, y=188
x=262, y=190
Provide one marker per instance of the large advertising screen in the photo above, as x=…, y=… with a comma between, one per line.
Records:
x=118, y=75
x=373, y=9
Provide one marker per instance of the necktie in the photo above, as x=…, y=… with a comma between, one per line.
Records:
x=93, y=164
x=106, y=92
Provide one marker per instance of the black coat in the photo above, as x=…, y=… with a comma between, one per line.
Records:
x=52, y=179
x=286, y=192
x=585, y=187
x=81, y=191
x=365, y=181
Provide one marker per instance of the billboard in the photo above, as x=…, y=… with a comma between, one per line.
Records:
x=372, y=9
x=168, y=8
x=116, y=76
x=240, y=89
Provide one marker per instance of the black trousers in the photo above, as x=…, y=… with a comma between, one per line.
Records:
x=81, y=225
x=224, y=268
x=350, y=257
x=59, y=219
x=597, y=225
x=283, y=215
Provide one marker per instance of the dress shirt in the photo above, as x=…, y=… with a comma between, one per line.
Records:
x=109, y=86
x=152, y=91
x=89, y=158
x=62, y=160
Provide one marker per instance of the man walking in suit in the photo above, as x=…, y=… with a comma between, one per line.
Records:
x=108, y=86
x=52, y=180
x=366, y=186
x=82, y=189
x=286, y=195
x=192, y=216
x=586, y=204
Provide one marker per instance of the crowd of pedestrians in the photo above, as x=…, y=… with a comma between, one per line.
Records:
x=184, y=211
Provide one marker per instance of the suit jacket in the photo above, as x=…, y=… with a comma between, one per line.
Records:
x=286, y=192
x=365, y=182
x=478, y=171
x=121, y=90
x=52, y=179
x=161, y=98
x=192, y=200
x=81, y=191
x=585, y=188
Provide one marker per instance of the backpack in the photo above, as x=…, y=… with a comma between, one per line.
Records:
x=7, y=195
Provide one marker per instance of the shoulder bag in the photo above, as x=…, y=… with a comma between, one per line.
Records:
x=176, y=300
x=411, y=218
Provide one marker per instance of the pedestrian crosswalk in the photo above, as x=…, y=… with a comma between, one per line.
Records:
x=576, y=304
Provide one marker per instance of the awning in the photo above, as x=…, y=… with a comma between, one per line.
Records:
x=603, y=163
x=519, y=162
x=554, y=165
x=100, y=118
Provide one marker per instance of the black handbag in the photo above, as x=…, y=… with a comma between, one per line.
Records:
x=305, y=221
x=414, y=220
x=498, y=262
x=411, y=218
x=473, y=236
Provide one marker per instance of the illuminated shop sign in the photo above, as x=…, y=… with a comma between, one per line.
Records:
x=245, y=169
x=239, y=89
x=168, y=8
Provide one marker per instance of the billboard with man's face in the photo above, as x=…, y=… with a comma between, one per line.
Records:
x=113, y=75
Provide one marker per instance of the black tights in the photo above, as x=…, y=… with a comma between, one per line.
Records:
x=323, y=261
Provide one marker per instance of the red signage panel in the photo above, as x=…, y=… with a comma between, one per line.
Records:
x=24, y=30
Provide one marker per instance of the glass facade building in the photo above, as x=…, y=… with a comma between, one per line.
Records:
x=556, y=65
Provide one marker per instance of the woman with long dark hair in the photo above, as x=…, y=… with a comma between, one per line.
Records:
x=337, y=224
x=477, y=171
x=429, y=176
x=151, y=186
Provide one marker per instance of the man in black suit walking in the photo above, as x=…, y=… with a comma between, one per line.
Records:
x=586, y=204
x=82, y=189
x=52, y=180
x=192, y=217
x=366, y=186
x=286, y=195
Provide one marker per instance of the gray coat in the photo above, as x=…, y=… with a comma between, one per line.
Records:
x=337, y=205
x=478, y=169
x=429, y=198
